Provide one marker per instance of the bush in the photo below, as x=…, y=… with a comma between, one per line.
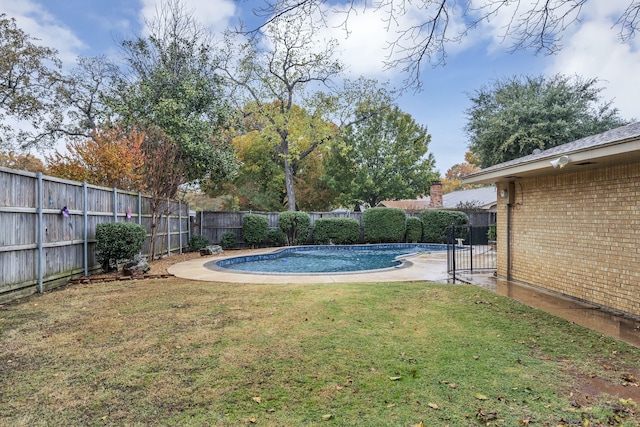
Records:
x=275, y=237
x=197, y=242
x=118, y=241
x=228, y=241
x=340, y=231
x=435, y=223
x=254, y=229
x=414, y=229
x=295, y=226
x=384, y=225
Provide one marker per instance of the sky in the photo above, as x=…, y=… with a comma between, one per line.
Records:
x=590, y=49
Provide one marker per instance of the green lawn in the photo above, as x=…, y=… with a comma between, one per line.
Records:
x=176, y=352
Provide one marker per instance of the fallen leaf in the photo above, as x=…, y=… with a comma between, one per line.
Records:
x=339, y=387
x=525, y=421
x=253, y=420
x=395, y=378
x=476, y=357
x=257, y=399
x=454, y=385
x=391, y=405
x=433, y=406
x=420, y=424
x=327, y=417
x=486, y=416
x=480, y=396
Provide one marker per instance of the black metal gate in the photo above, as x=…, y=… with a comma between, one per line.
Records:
x=470, y=249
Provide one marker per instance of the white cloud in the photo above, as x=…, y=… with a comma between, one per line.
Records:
x=595, y=51
x=366, y=33
x=35, y=20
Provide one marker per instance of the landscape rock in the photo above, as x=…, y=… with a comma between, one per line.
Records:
x=211, y=250
x=137, y=266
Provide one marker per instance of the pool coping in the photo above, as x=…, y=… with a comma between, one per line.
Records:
x=422, y=267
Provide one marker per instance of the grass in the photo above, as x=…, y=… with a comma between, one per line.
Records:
x=176, y=352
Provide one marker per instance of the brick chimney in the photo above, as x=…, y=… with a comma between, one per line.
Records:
x=435, y=195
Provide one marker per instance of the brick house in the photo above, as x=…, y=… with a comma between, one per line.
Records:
x=569, y=218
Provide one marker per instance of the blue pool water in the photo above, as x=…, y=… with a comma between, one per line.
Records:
x=325, y=259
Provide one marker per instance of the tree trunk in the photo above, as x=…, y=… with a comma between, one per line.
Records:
x=288, y=179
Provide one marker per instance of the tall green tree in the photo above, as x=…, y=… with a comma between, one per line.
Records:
x=171, y=89
x=283, y=80
x=512, y=117
x=260, y=184
x=385, y=157
x=172, y=93
x=29, y=80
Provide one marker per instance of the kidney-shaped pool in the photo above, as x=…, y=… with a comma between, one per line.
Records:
x=325, y=259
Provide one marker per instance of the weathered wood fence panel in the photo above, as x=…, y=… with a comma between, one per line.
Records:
x=213, y=225
x=48, y=227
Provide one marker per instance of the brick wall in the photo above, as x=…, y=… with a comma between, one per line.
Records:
x=577, y=233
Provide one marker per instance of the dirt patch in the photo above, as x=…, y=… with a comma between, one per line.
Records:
x=624, y=384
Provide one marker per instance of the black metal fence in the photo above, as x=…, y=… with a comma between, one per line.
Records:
x=470, y=249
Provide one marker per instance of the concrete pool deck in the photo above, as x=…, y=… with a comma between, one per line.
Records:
x=426, y=266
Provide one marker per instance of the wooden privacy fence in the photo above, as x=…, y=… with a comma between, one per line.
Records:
x=213, y=225
x=48, y=226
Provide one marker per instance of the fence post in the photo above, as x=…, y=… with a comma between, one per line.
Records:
x=115, y=204
x=471, y=247
x=168, y=228
x=180, y=225
x=85, y=218
x=40, y=233
x=453, y=244
x=139, y=208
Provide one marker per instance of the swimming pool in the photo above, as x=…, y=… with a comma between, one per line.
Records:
x=325, y=259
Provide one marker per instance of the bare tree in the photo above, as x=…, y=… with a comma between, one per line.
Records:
x=530, y=24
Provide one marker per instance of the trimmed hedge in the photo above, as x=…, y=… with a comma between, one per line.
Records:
x=118, y=241
x=228, y=240
x=275, y=237
x=414, y=229
x=340, y=231
x=295, y=226
x=436, y=221
x=254, y=229
x=384, y=225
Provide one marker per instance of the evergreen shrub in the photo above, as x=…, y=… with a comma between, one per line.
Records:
x=436, y=221
x=275, y=237
x=295, y=226
x=197, y=242
x=339, y=231
x=118, y=241
x=414, y=229
x=384, y=225
x=254, y=229
x=228, y=240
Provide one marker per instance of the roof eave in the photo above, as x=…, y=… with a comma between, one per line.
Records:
x=542, y=165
